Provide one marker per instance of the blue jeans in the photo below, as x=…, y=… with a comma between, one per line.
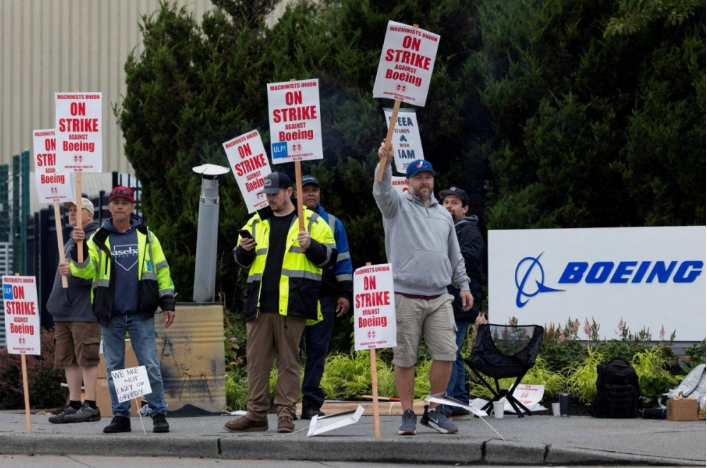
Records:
x=457, y=382
x=316, y=339
x=142, y=338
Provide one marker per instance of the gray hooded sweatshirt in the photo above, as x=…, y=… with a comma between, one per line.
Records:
x=420, y=242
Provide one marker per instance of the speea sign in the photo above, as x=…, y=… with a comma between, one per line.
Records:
x=650, y=277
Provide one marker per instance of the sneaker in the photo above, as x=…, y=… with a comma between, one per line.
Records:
x=285, y=424
x=436, y=420
x=159, y=423
x=60, y=418
x=458, y=414
x=85, y=414
x=118, y=424
x=409, y=424
x=243, y=424
x=309, y=411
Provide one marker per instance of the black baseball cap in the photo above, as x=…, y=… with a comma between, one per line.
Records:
x=274, y=182
x=308, y=179
x=457, y=192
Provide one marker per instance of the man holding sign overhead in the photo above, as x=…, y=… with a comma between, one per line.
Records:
x=284, y=276
x=422, y=246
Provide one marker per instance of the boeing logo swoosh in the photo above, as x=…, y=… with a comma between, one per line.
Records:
x=541, y=288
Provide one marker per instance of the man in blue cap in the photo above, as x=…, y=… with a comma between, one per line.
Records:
x=422, y=246
x=335, y=297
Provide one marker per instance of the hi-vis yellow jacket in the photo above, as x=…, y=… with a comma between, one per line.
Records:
x=301, y=274
x=155, y=284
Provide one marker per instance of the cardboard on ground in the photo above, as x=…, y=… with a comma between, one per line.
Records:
x=131, y=383
x=443, y=399
x=320, y=425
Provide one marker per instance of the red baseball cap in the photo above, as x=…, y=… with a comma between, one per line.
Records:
x=122, y=191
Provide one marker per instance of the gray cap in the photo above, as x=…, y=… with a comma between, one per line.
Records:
x=274, y=182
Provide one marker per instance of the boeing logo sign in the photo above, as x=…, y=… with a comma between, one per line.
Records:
x=647, y=271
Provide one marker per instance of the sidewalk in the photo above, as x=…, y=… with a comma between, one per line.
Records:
x=535, y=440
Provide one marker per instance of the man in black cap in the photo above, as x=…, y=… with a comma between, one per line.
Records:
x=335, y=298
x=456, y=202
x=284, y=276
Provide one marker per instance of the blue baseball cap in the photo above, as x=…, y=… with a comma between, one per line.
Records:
x=419, y=165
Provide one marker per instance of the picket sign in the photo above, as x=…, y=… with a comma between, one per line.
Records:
x=413, y=51
x=407, y=145
x=79, y=130
x=374, y=319
x=249, y=163
x=22, y=324
x=52, y=186
x=131, y=383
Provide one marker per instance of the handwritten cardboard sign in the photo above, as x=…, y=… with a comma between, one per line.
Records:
x=249, y=163
x=22, y=326
x=374, y=308
x=406, y=64
x=407, y=145
x=79, y=132
x=52, y=184
x=131, y=383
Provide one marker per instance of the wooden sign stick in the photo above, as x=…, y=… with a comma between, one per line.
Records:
x=25, y=388
x=391, y=129
x=140, y=414
x=298, y=176
x=374, y=390
x=60, y=241
x=79, y=223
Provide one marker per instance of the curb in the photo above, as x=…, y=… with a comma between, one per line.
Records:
x=404, y=450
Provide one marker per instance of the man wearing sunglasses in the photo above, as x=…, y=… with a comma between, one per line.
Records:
x=131, y=278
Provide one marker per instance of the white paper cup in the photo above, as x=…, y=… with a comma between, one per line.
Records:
x=498, y=409
x=556, y=409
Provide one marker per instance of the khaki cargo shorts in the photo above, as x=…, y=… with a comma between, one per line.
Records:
x=433, y=319
x=77, y=344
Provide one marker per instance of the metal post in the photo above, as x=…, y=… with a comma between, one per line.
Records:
x=4, y=201
x=16, y=248
x=24, y=210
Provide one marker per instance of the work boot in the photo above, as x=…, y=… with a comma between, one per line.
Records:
x=159, y=423
x=436, y=420
x=85, y=414
x=243, y=424
x=118, y=424
x=409, y=424
x=285, y=424
x=309, y=410
x=60, y=418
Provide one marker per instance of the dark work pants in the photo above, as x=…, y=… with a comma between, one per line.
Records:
x=316, y=340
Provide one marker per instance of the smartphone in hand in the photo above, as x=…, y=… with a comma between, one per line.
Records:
x=245, y=234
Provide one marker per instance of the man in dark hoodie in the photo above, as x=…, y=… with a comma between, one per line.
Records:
x=76, y=331
x=335, y=297
x=471, y=244
x=131, y=278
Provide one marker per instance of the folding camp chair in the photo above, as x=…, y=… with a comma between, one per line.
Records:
x=505, y=351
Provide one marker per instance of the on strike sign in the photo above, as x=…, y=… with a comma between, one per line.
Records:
x=249, y=163
x=400, y=184
x=295, y=122
x=407, y=145
x=406, y=64
x=19, y=295
x=52, y=185
x=374, y=308
x=79, y=139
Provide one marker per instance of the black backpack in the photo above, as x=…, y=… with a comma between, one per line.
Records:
x=618, y=394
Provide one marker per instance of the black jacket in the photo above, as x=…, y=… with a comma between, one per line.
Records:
x=472, y=247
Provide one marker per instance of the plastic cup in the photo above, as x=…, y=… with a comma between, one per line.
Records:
x=498, y=409
x=556, y=409
x=565, y=404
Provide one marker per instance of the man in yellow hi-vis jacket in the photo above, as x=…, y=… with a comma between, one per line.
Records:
x=285, y=273
x=131, y=278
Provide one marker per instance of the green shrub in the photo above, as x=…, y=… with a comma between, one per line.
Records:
x=582, y=378
x=236, y=391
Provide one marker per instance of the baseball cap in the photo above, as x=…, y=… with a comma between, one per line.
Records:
x=122, y=191
x=419, y=165
x=308, y=179
x=457, y=192
x=274, y=182
x=85, y=204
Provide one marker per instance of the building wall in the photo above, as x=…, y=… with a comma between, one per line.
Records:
x=49, y=46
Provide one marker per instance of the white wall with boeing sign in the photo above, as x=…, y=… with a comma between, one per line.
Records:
x=650, y=276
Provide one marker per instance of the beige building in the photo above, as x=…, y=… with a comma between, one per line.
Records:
x=50, y=46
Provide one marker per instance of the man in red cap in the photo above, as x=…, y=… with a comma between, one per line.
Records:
x=131, y=278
